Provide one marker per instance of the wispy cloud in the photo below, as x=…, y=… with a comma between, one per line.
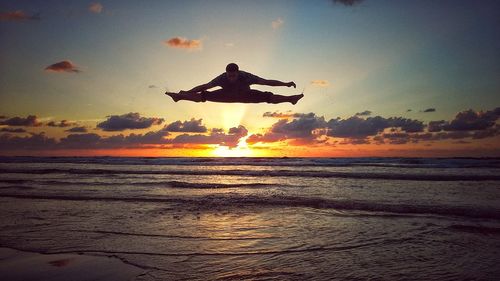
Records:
x=63, y=66
x=18, y=15
x=277, y=23
x=429, y=110
x=184, y=43
x=96, y=7
x=287, y=114
x=320, y=83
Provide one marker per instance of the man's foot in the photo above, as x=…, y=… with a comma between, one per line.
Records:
x=174, y=96
x=296, y=98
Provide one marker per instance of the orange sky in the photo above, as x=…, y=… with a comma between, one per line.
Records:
x=87, y=78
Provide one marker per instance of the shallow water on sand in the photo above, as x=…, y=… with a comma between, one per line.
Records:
x=261, y=219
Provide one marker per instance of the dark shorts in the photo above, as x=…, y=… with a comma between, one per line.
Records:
x=252, y=96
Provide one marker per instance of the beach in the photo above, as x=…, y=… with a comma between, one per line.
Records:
x=250, y=218
x=24, y=266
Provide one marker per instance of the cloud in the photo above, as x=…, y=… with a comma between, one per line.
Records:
x=296, y=129
x=34, y=141
x=132, y=120
x=320, y=83
x=364, y=113
x=468, y=120
x=89, y=141
x=348, y=2
x=81, y=141
x=152, y=87
x=356, y=127
x=95, y=141
x=18, y=15
x=397, y=138
x=407, y=125
x=13, y=130
x=301, y=129
x=402, y=138
x=30, y=121
x=355, y=141
x=265, y=138
x=63, y=66
x=215, y=137
x=183, y=43
x=61, y=124
x=436, y=126
x=429, y=110
x=277, y=23
x=309, y=128
x=96, y=7
x=81, y=129
x=488, y=133
x=193, y=126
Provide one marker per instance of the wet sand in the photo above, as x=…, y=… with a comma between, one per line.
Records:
x=20, y=265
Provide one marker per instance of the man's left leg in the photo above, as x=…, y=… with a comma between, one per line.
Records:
x=280, y=99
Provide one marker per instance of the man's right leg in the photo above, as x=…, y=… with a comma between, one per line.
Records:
x=196, y=97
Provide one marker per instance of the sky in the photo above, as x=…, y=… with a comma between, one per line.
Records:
x=380, y=78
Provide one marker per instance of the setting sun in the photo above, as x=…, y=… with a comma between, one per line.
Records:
x=242, y=150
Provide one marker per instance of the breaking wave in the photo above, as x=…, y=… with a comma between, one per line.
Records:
x=216, y=201
x=267, y=173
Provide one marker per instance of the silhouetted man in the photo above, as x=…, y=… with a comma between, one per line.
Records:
x=235, y=86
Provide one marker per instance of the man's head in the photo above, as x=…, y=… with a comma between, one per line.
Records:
x=232, y=71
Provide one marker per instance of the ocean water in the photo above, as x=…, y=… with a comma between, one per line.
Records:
x=261, y=218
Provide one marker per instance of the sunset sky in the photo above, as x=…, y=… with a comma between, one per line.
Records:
x=380, y=78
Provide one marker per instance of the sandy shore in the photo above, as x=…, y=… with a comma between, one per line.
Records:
x=20, y=265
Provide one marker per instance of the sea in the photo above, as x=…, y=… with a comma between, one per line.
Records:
x=261, y=218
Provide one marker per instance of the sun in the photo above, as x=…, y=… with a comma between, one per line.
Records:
x=241, y=150
x=224, y=151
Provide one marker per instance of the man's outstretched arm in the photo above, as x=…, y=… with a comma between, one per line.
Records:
x=199, y=88
x=267, y=82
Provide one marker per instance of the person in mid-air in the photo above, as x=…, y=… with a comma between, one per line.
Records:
x=235, y=86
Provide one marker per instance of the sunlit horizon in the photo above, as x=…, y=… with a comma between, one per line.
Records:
x=377, y=81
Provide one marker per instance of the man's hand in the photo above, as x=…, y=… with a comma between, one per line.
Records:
x=291, y=84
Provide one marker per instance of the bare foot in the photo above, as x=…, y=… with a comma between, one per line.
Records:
x=174, y=96
x=296, y=98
